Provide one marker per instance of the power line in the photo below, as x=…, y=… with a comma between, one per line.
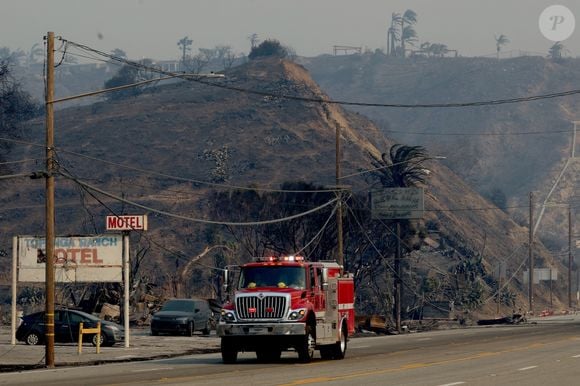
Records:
x=22, y=161
x=481, y=134
x=493, y=102
x=225, y=186
x=182, y=255
x=178, y=254
x=187, y=218
x=10, y=176
x=20, y=142
x=319, y=232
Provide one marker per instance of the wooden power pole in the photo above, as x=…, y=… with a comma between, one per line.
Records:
x=339, y=239
x=50, y=234
x=398, y=280
x=531, y=256
x=570, y=257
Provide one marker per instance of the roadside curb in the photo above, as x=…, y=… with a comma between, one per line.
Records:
x=96, y=362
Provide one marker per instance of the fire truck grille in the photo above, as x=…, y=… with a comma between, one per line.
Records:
x=267, y=307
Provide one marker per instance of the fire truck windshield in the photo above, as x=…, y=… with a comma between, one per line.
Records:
x=273, y=276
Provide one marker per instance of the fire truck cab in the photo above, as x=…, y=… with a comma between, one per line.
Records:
x=285, y=303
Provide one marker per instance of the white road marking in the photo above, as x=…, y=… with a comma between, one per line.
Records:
x=154, y=369
x=527, y=368
x=576, y=356
x=453, y=384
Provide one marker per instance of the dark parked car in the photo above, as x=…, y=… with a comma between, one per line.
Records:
x=66, y=328
x=182, y=316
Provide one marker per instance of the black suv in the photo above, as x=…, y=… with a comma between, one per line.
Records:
x=182, y=316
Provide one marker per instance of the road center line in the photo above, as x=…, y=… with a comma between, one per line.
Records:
x=576, y=356
x=154, y=369
x=453, y=384
x=416, y=365
x=527, y=368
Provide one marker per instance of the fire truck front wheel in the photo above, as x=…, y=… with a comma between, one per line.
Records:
x=229, y=350
x=306, y=346
x=337, y=350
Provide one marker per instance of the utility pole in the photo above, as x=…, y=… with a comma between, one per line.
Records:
x=398, y=280
x=340, y=254
x=498, y=289
x=570, y=257
x=49, y=207
x=531, y=256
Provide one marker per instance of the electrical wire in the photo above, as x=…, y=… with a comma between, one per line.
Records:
x=494, y=295
x=10, y=176
x=20, y=142
x=187, y=218
x=493, y=102
x=436, y=251
x=22, y=161
x=390, y=268
x=481, y=134
x=213, y=184
x=319, y=233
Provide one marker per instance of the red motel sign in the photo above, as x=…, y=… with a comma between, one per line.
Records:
x=127, y=223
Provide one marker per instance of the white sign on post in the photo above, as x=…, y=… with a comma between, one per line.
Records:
x=397, y=203
x=77, y=259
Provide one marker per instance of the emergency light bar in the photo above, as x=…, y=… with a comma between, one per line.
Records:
x=280, y=258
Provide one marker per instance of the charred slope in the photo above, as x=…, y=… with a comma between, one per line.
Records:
x=504, y=151
x=199, y=133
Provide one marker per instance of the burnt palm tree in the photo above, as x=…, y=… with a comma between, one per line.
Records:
x=401, y=167
x=500, y=41
x=556, y=51
x=393, y=34
x=408, y=33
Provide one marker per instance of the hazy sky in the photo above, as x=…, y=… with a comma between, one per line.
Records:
x=151, y=28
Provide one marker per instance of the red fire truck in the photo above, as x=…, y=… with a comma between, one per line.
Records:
x=286, y=303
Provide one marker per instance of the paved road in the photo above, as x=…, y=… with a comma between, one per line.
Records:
x=536, y=354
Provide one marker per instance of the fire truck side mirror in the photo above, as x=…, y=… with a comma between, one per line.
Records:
x=324, y=278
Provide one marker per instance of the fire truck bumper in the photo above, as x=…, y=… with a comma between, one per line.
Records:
x=271, y=329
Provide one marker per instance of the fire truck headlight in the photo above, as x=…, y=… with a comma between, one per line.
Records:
x=297, y=314
x=228, y=316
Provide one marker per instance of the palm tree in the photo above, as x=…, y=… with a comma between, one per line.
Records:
x=401, y=167
x=393, y=34
x=408, y=34
x=500, y=41
x=556, y=51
